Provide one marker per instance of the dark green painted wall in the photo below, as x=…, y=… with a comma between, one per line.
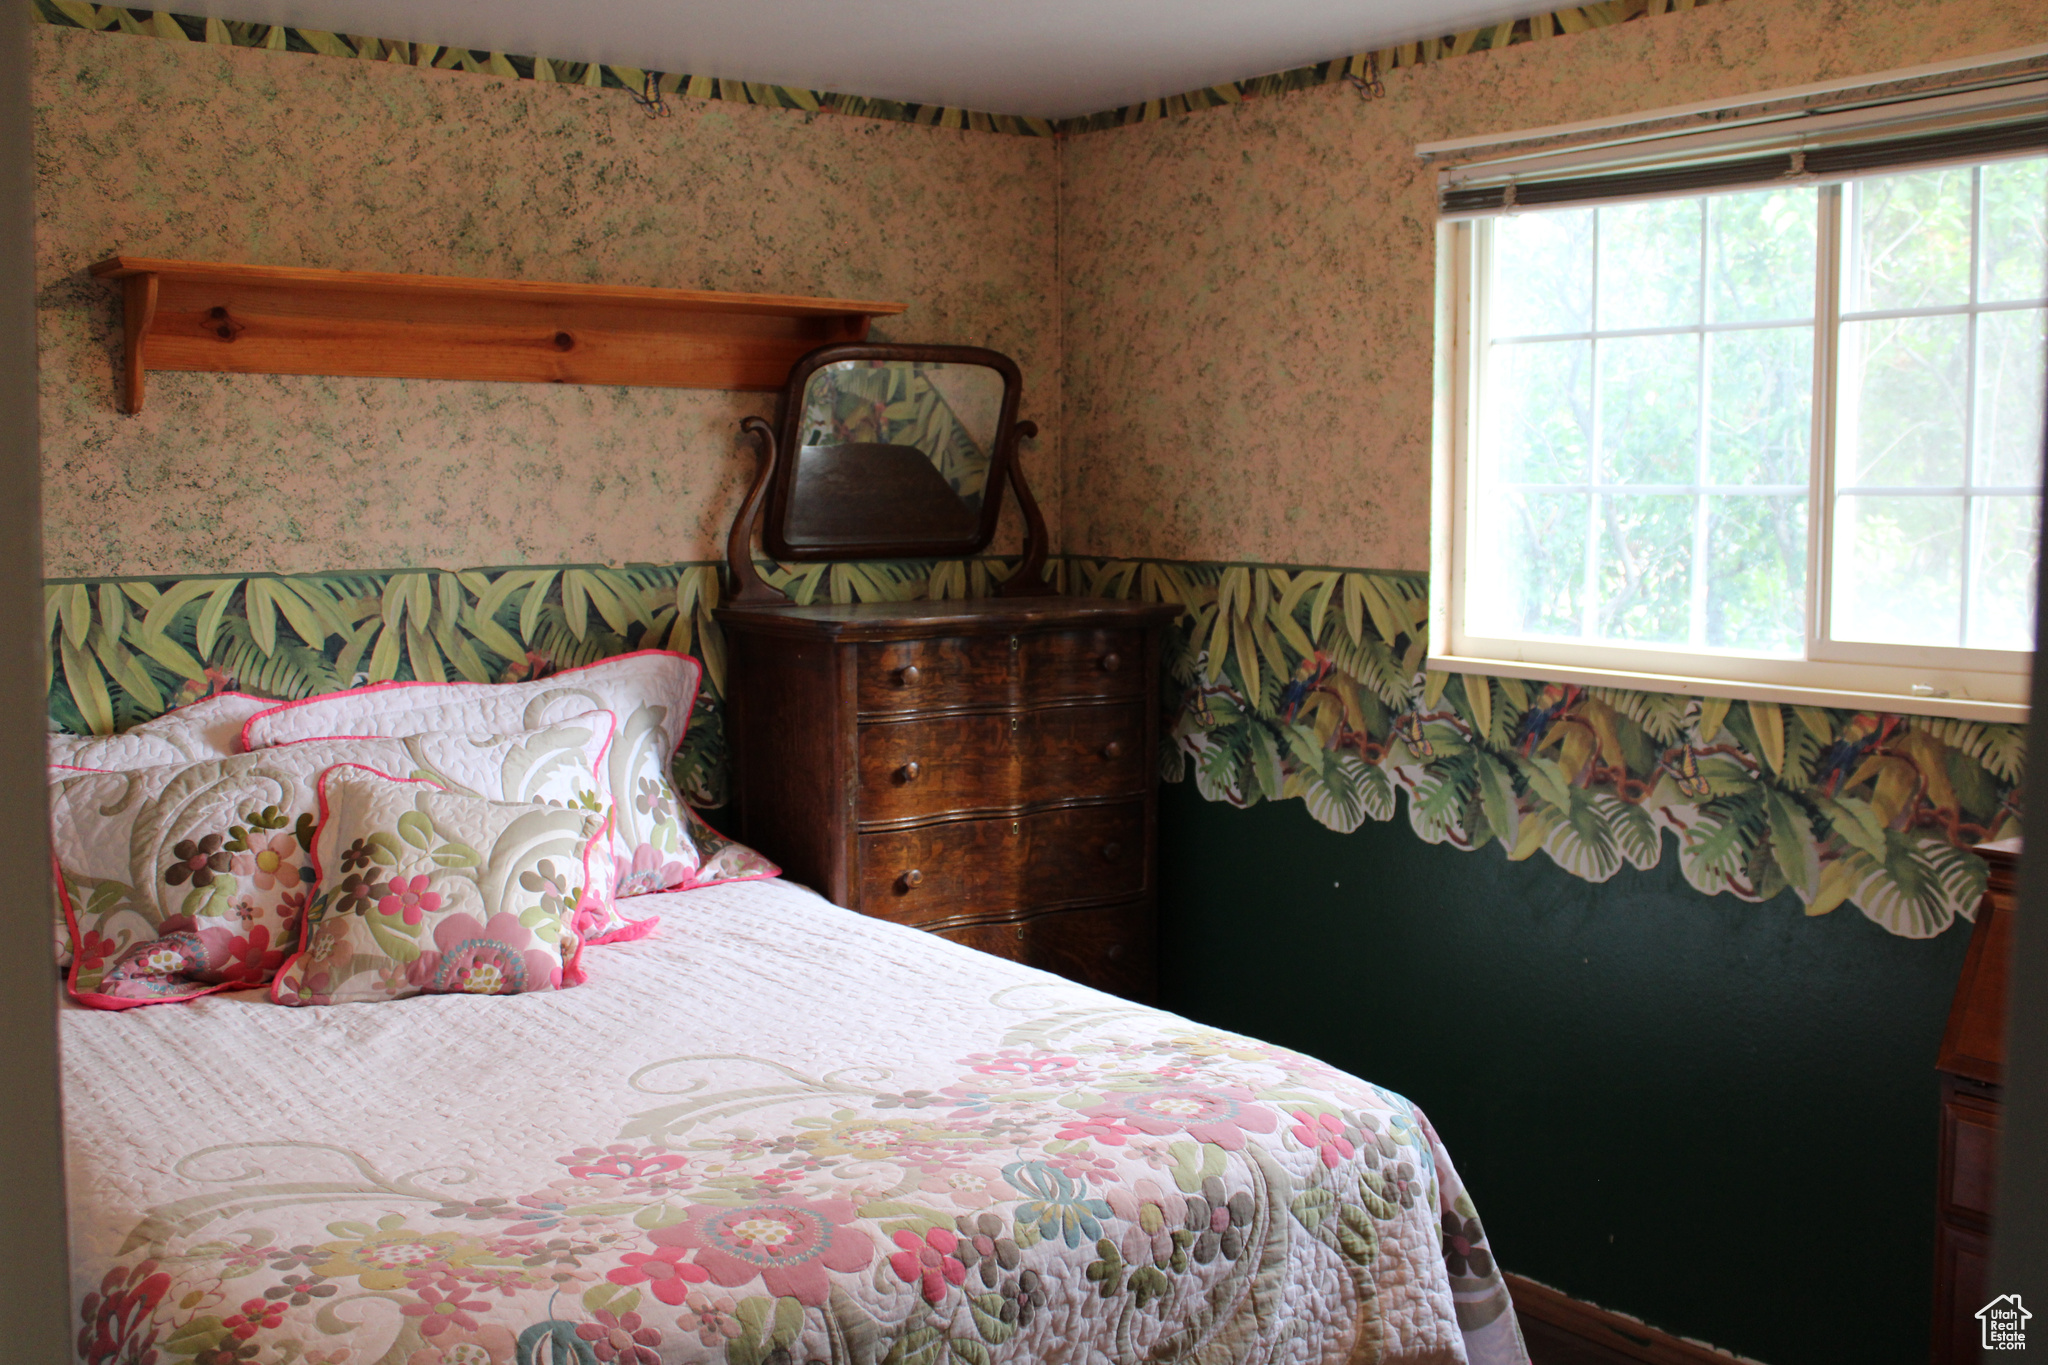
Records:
x=1719, y=1117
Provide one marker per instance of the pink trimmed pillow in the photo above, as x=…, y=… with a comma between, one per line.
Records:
x=560, y=764
x=183, y=879
x=659, y=844
x=211, y=728
x=202, y=729
x=424, y=891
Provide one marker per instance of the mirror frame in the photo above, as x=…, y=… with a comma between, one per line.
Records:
x=767, y=501
x=782, y=486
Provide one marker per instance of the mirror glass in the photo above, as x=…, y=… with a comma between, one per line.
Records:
x=910, y=440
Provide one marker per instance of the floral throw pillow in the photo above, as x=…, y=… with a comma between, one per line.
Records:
x=425, y=891
x=559, y=764
x=659, y=844
x=179, y=880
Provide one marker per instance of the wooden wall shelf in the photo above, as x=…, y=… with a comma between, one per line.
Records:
x=254, y=319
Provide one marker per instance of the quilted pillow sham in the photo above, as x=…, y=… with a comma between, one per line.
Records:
x=204, y=729
x=425, y=891
x=183, y=879
x=659, y=843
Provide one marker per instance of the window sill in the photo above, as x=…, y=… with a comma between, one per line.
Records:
x=1959, y=708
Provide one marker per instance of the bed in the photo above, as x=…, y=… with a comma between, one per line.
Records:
x=771, y=1132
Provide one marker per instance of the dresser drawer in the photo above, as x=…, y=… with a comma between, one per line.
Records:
x=964, y=868
x=1109, y=947
x=1065, y=665
x=1112, y=947
x=944, y=765
x=917, y=675
x=1022, y=669
x=1962, y=1278
x=1969, y=1153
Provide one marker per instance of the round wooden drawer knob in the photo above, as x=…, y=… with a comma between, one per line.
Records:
x=907, y=677
x=1111, y=662
x=913, y=878
x=909, y=771
x=1112, y=851
x=1113, y=749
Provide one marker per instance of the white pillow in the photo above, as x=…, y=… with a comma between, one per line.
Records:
x=204, y=729
x=657, y=845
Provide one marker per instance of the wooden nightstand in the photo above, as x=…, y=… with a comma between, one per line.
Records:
x=986, y=770
x=1972, y=1067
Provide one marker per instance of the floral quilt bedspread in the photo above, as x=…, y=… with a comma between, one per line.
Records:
x=773, y=1133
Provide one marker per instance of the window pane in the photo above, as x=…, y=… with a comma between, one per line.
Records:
x=1537, y=420
x=2003, y=542
x=1644, y=572
x=2012, y=361
x=1650, y=409
x=1527, y=572
x=1898, y=570
x=1760, y=247
x=1904, y=387
x=1542, y=274
x=1911, y=240
x=1756, y=585
x=2014, y=255
x=1637, y=490
x=1760, y=406
x=1650, y=265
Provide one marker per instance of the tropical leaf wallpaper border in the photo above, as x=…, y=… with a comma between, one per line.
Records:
x=1308, y=683
x=121, y=651
x=1283, y=683
x=1362, y=69
x=651, y=88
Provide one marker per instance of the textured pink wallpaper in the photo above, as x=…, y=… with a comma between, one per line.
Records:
x=151, y=147
x=1249, y=291
x=1245, y=293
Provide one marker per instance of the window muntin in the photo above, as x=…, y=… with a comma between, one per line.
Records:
x=1645, y=449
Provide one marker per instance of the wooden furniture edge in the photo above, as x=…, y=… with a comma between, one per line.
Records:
x=376, y=324
x=535, y=291
x=880, y=621
x=1625, y=1336
x=1973, y=1039
x=138, y=315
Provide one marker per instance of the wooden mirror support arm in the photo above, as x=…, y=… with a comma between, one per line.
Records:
x=1029, y=579
x=747, y=584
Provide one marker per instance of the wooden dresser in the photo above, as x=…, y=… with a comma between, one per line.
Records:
x=1972, y=1066
x=986, y=770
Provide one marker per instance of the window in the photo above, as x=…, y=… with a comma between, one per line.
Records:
x=1780, y=438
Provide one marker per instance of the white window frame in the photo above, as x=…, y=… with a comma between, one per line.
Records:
x=1935, y=680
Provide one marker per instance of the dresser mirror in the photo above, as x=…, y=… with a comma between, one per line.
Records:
x=887, y=451
x=891, y=448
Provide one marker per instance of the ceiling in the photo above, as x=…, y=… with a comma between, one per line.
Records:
x=1049, y=58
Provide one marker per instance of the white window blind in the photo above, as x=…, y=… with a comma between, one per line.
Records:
x=1846, y=137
